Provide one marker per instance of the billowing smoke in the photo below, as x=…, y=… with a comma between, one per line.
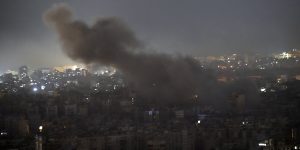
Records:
x=110, y=42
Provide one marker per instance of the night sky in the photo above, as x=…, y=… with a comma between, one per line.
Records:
x=198, y=28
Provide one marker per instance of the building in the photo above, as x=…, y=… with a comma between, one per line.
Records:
x=23, y=71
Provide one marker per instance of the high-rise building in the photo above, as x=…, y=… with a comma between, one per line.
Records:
x=84, y=72
x=23, y=72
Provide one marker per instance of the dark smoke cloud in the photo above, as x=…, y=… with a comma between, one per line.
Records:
x=110, y=42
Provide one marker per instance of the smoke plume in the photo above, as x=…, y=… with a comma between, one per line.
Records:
x=111, y=42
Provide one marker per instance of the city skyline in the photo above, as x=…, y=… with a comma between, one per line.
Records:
x=150, y=75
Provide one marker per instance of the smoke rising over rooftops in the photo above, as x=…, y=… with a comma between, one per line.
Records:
x=111, y=42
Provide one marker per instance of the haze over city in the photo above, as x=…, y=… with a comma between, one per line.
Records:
x=197, y=28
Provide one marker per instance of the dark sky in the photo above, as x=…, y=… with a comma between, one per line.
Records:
x=194, y=27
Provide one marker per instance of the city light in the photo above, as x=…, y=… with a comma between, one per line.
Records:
x=199, y=121
x=262, y=144
x=35, y=89
x=3, y=133
x=263, y=89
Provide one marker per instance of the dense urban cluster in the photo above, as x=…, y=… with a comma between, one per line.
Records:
x=78, y=109
x=235, y=62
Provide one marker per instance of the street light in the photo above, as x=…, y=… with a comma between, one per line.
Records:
x=40, y=128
